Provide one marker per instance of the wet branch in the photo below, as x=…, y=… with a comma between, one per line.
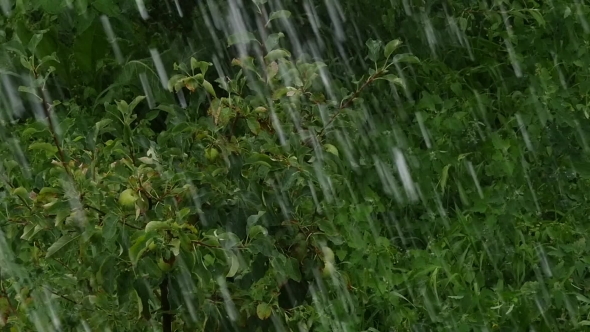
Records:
x=349, y=101
x=47, y=113
x=166, y=315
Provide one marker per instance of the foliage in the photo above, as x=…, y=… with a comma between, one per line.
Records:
x=444, y=189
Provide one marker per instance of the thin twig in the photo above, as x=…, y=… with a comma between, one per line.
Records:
x=47, y=112
x=349, y=101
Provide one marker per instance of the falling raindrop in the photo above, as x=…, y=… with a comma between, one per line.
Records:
x=159, y=67
x=142, y=10
x=112, y=38
x=423, y=129
x=404, y=173
x=147, y=90
x=230, y=307
x=178, y=8
x=474, y=177
x=525, y=134
x=6, y=7
x=513, y=59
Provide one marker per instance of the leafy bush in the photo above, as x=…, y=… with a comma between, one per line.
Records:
x=290, y=194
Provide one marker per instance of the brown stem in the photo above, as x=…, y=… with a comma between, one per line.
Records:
x=47, y=113
x=167, y=317
x=131, y=226
x=95, y=209
x=60, y=295
x=64, y=265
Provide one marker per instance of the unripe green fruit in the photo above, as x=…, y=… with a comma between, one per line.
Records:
x=301, y=251
x=202, y=135
x=328, y=255
x=328, y=270
x=127, y=198
x=211, y=154
x=165, y=267
x=154, y=226
x=21, y=192
x=152, y=245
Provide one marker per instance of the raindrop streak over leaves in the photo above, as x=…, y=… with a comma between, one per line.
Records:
x=294, y=166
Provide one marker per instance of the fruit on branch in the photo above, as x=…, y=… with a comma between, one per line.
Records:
x=127, y=198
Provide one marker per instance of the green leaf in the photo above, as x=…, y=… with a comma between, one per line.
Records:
x=135, y=102
x=253, y=219
x=175, y=83
x=139, y=247
x=241, y=38
x=332, y=149
x=279, y=14
x=374, y=47
x=175, y=244
x=391, y=47
x=107, y=274
x=277, y=54
x=61, y=243
x=107, y=7
x=582, y=298
x=28, y=232
x=194, y=64
x=143, y=296
x=256, y=230
x=26, y=63
x=109, y=228
x=48, y=58
x=34, y=42
x=395, y=80
x=406, y=57
x=50, y=149
x=272, y=41
x=30, y=91
x=209, y=88
x=263, y=311
x=537, y=16
x=253, y=125
x=52, y=6
x=234, y=265
x=201, y=65
x=292, y=269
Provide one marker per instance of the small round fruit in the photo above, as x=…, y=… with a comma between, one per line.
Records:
x=127, y=198
x=165, y=267
x=202, y=135
x=21, y=192
x=154, y=226
x=211, y=154
x=328, y=254
x=328, y=270
x=152, y=246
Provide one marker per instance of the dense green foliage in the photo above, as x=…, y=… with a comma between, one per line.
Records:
x=240, y=167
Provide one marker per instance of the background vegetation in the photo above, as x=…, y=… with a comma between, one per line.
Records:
x=294, y=166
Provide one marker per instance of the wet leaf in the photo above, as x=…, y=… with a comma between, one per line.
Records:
x=241, y=38
x=279, y=14
x=61, y=243
x=331, y=149
x=263, y=311
x=50, y=149
x=234, y=265
x=391, y=47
